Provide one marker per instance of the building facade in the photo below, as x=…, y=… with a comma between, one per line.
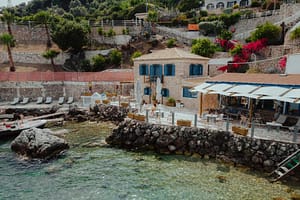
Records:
x=220, y=5
x=170, y=73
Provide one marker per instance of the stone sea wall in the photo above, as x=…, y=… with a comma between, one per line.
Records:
x=255, y=153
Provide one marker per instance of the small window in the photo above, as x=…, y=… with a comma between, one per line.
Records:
x=210, y=6
x=188, y=94
x=147, y=91
x=220, y=5
x=196, y=69
x=165, y=92
x=143, y=69
x=230, y=4
x=169, y=70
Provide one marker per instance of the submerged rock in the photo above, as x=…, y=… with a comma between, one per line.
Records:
x=38, y=143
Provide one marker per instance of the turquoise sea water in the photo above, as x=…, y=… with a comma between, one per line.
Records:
x=108, y=173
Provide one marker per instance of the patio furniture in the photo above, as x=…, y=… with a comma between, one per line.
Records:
x=296, y=127
x=274, y=125
x=48, y=100
x=40, y=100
x=61, y=100
x=25, y=101
x=70, y=100
x=15, y=101
x=278, y=123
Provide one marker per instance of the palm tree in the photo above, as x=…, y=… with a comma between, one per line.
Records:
x=8, y=18
x=8, y=40
x=44, y=17
x=51, y=54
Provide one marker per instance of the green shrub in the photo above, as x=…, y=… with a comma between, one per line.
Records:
x=171, y=100
x=111, y=33
x=171, y=43
x=203, y=47
x=98, y=62
x=295, y=34
x=100, y=31
x=255, y=4
x=115, y=57
x=211, y=28
x=267, y=30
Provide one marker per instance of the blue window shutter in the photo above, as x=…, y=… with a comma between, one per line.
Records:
x=151, y=70
x=146, y=70
x=145, y=91
x=173, y=70
x=201, y=69
x=159, y=69
x=167, y=93
x=197, y=70
x=191, y=69
x=141, y=70
x=166, y=69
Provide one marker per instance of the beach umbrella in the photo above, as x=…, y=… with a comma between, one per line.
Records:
x=138, y=92
x=158, y=89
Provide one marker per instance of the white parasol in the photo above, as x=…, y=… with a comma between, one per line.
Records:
x=158, y=89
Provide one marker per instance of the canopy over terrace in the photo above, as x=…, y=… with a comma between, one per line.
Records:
x=284, y=88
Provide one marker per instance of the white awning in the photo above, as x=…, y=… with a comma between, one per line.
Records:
x=285, y=99
x=201, y=88
x=251, y=91
x=243, y=89
x=219, y=88
x=271, y=90
x=293, y=93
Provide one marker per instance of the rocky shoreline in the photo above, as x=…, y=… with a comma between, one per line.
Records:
x=255, y=153
x=130, y=134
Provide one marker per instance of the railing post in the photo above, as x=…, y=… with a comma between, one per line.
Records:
x=227, y=124
x=173, y=117
x=147, y=115
x=295, y=131
x=252, y=129
x=195, y=120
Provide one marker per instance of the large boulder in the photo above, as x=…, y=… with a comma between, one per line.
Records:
x=38, y=143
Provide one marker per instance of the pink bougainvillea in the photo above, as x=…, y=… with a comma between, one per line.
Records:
x=282, y=63
x=245, y=54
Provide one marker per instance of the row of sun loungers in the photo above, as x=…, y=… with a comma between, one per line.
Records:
x=41, y=100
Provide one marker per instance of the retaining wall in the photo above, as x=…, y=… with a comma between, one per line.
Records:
x=255, y=153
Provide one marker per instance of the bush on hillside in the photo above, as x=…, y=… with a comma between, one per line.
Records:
x=269, y=31
x=203, y=47
x=295, y=34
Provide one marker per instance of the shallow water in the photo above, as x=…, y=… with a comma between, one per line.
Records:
x=108, y=173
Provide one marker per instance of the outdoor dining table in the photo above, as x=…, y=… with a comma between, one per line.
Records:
x=273, y=124
x=211, y=118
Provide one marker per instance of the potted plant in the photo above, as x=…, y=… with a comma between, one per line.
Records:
x=171, y=102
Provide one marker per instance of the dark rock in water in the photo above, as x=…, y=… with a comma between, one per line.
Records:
x=37, y=143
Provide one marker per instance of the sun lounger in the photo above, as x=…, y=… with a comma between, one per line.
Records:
x=48, y=100
x=70, y=100
x=61, y=100
x=25, y=101
x=296, y=127
x=15, y=101
x=40, y=100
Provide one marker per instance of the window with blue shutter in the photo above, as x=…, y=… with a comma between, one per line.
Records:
x=188, y=94
x=147, y=91
x=196, y=69
x=165, y=92
x=143, y=69
x=169, y=70
x=155, y=71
